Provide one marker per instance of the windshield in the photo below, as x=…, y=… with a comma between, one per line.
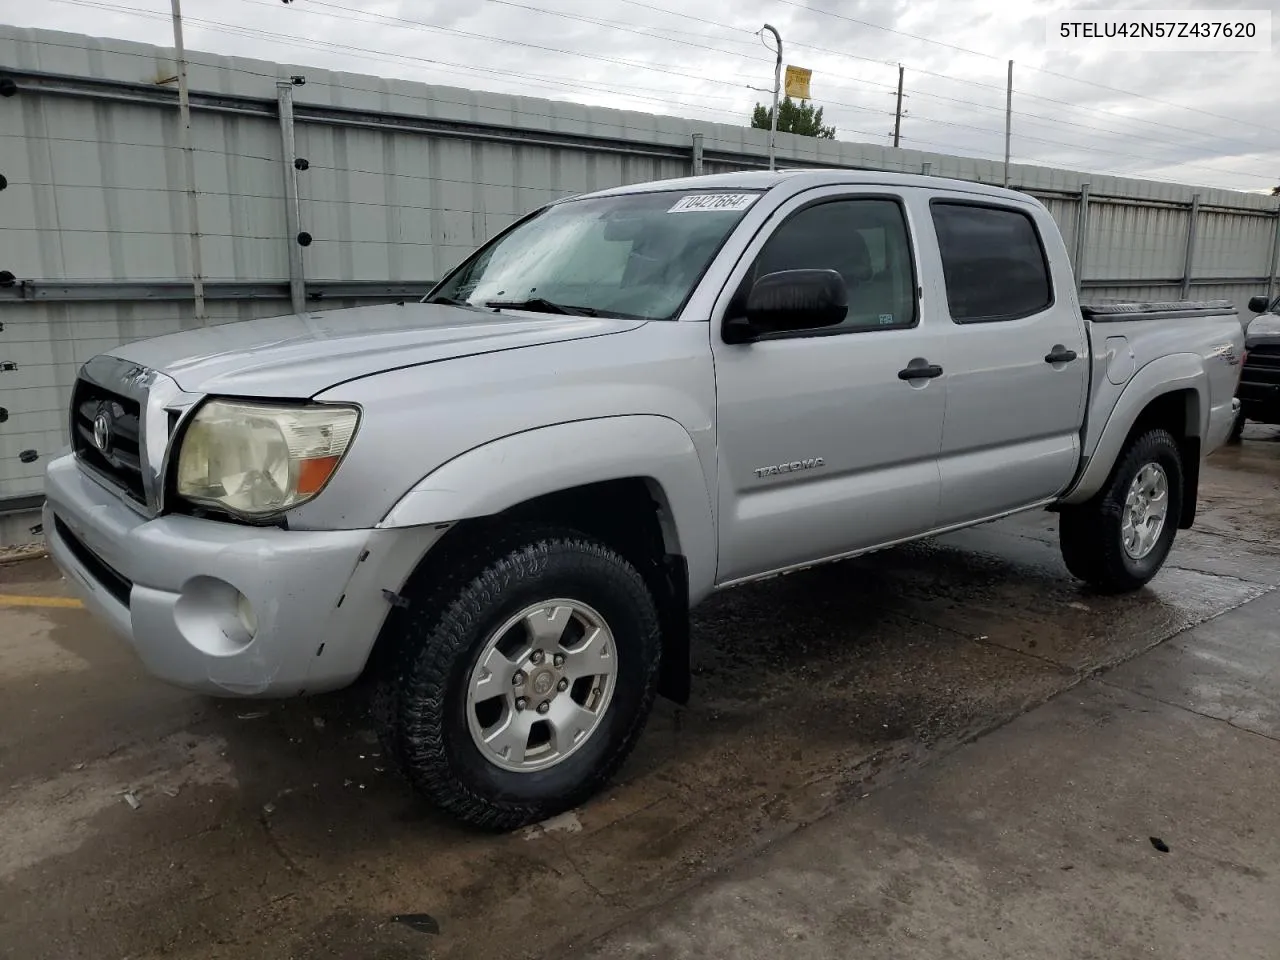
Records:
x=633, y=255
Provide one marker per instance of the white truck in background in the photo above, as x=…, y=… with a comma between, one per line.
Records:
x=500, y=503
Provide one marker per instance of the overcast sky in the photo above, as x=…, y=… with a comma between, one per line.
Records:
x=1211, y=119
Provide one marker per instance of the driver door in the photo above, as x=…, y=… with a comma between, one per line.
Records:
x=829, y=439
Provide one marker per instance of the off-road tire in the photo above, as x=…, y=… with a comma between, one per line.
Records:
x=1090, y=533
x=420, y=704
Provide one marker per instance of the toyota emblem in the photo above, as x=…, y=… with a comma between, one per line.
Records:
x=102, y=432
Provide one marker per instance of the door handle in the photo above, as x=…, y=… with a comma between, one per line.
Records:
x=1060, y=355
x=925, y=372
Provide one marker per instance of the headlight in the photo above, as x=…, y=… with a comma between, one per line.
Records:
x=256, y=459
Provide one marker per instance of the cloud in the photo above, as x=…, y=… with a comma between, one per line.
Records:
x=1208, y=118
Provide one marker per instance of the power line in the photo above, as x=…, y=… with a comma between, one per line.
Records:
x=636, y=28
x=1022, y=114
x=1143, y=96
x=323, y=3
x=876, y=26
x=944, y=76
x=665, y=98
x=1092, y=149
x=687, y=16
x=388, y=57
x=989, y=56
x=430, y=28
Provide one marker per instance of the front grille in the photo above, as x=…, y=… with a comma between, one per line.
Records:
x=1260, y=376
x=120, y=459
x=115, y=583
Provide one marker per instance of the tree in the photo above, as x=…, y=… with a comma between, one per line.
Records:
x=1275, y=191
x=802, y=118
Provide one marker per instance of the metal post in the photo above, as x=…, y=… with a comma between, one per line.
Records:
x=777, y=86
x=292, y=216
x=1082, y=234
x=1008, y=121
x=897, y=117
x=1275, y=259
x=697, y=154
x=189, y=157
x=1191, y=246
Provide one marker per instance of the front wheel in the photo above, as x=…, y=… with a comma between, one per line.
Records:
x=1120, y=539
x=523, y=692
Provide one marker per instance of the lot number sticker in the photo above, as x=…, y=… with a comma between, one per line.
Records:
x=712, y=202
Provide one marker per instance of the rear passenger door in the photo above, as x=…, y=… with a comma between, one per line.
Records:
x=1017, y=359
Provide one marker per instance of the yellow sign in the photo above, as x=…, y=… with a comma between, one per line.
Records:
x=797, y=82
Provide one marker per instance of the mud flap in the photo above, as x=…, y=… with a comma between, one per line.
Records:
x=674, y=681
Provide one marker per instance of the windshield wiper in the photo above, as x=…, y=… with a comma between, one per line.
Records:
x=451, y=301
x=541, y=305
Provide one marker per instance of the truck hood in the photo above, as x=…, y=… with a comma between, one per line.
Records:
x=1263, y=329
x=301, y=355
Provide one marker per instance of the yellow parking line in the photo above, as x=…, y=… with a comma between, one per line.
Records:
x=7, y=600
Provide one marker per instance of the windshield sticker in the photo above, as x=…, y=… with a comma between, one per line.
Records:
x=713, y=202
x=886, y=319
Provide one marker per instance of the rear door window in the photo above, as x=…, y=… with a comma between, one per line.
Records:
x=993, y=262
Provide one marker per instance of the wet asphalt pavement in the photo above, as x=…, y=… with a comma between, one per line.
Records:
x=274, y=830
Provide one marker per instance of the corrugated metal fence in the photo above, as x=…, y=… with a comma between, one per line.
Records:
x=395, y=182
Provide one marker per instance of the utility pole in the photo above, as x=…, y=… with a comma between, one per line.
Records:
x=184, y=118
x=897, y=119
x=1008, y=121
x=777, y=85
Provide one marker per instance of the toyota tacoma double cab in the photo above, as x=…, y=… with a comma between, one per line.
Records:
x=499, y=504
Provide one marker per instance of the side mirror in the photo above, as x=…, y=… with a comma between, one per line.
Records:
x=1258, y=304
x=790, y=300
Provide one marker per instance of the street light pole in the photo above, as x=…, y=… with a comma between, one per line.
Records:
x=184, y=117
x=777, y=85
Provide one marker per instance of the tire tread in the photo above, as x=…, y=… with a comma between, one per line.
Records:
x=1089, y=533
x=421, y=667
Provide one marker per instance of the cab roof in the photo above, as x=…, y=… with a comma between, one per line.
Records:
x=804, y=179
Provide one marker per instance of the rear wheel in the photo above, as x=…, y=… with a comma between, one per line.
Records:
x=527, y=687
x=1120, y=539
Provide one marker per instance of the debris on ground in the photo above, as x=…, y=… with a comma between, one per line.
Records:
x=268, y=808
x=169, y=791
x=131, y=799
x=564, y=823
x=1159, y=844
x=421, y=922
x=318, y=722
x=21, y=553
x=252, y=715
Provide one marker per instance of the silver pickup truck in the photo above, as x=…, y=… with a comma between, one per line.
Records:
x=499, y=504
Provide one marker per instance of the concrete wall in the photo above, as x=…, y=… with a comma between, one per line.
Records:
x=402, y=181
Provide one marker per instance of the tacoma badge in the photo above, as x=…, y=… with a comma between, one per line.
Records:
x=795, y=466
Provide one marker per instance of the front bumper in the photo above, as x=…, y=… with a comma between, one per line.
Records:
x=171, y=586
